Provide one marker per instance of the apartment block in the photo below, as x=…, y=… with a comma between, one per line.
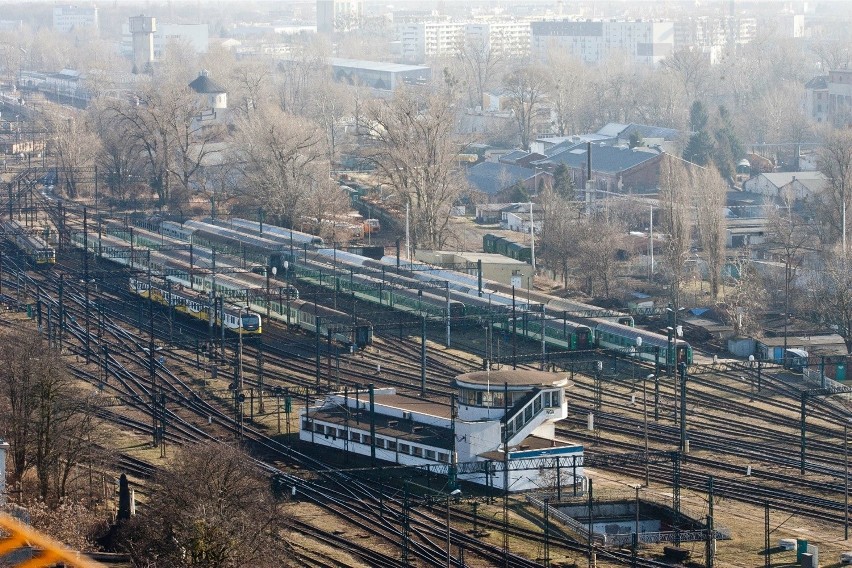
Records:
x=76, y=18
x=338, y=15
x=592, y=41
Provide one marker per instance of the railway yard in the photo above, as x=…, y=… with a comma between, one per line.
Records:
x=766, y=445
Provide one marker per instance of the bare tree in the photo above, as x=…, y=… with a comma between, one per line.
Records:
x=745, y=298
x=569, y=91
x=832, y=53
x=692, y=70
x=526, y=89
x=412, y=143
x=282, y=158
x=327, y=206
x=594, y=245
x=252, y=85
x=677, y=220
x=835, y=161
x=299, y=75
x=710, y=196
x=120, y=158
x=75, y=146
x=481, y=66
x=170, y=126
x=208, y=508
x=44, y=418
x=789, y=236
x=831, y=291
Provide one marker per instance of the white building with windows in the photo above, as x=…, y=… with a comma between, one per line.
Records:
x=194, y=36
x=592, y=41
x=338, y=15
x=75, y=18
x=419, y=40
x=501, y=421
x=509, y=38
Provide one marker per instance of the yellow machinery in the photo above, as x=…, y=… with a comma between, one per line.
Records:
x=47, y=552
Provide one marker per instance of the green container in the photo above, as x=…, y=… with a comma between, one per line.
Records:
x=801, y=548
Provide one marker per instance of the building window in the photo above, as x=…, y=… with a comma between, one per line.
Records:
x=417, y=451
x=355, y=436
x=430, y=455
x=443, y=458
x=404, y=448
x=392, y=445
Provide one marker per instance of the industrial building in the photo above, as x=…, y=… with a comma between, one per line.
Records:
x=377, y=74
x=499, y=431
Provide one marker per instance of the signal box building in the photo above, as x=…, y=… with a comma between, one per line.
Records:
x=499, y=421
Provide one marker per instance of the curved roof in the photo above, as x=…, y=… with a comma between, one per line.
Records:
x=203, y=84
x=514, y=378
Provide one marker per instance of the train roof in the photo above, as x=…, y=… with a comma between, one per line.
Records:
x=649, y=338
x=273, y=232
x=226, y=233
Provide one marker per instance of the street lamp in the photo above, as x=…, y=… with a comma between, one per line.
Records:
x=287, y=281
x=454, y=493
x=637, y=487
x=635, y=351
x=645, y=422
x=274, y=271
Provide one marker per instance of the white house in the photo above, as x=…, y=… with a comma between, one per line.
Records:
x=519, y=217
x=798, y=185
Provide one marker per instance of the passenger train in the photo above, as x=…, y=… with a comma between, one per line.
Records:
x=38, y=251
x=423, y=290
x=188, y=289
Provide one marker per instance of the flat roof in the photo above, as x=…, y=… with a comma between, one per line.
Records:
x=514, y=378
x=387, y=426
x=485, y=257
x=529, y=443
x=376, y=65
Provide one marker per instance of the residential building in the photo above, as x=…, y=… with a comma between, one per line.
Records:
x=499, y=419
x=509, y=38
x=491, y=178
x=615, y=169
x=816, y=99
x=840, y=97
x=420, y=40
x=75, y=18
x=11, y=25
x=592, y=41
x=703, y=32
x=338, y=15
x=669, y=140
x=790, y=25
x=797, y=185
